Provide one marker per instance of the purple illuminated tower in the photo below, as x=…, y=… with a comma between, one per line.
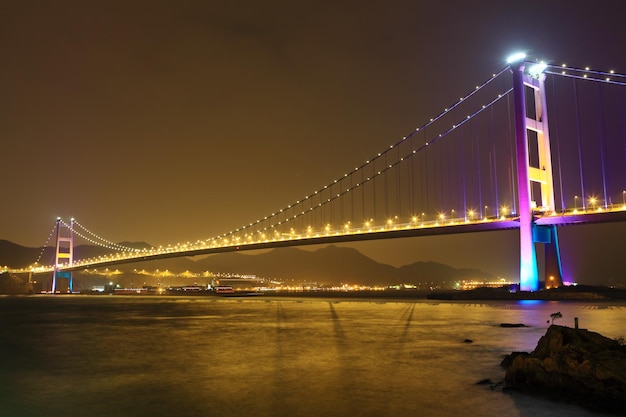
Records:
x=531, y=121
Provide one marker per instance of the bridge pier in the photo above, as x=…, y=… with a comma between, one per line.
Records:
x=547, y=236
x=61, y=275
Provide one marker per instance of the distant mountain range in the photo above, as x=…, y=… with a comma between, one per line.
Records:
x=330, y=265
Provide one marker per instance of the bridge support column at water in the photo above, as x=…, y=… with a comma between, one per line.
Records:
x=64, y=254
x=547, y=236
x=533, y=181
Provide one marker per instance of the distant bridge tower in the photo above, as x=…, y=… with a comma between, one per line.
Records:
x=64, y=253
x=531, y=129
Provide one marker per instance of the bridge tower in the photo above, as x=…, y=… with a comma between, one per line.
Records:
x=64, y=253
x=534, y=177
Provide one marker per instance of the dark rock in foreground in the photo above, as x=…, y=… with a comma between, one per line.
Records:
x=572, y=365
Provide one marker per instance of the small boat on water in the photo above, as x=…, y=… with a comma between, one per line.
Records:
x=223, y=289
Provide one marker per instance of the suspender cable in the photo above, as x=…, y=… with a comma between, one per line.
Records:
x=374, y=196
x=495, y=164
x=398, y=194
x=363, y=189
x=622, y=107
x=580, y=162
x=386, y=189
x=600, y=108
x=555, y=123
x=480, y=186
x=411, y=183
x=426, y=192
x=342, y=217
x=351, y=198
x=463, y=182
x=441, y=170
x=512, y=179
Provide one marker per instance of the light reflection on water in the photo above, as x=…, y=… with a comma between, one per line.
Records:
x=262, y=356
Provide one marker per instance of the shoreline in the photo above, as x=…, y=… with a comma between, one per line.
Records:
x=571, y=293
x=574, y=293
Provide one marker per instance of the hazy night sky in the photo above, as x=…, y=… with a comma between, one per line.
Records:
x=173, y=121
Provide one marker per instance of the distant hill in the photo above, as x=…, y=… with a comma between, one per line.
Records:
x=335, y=265
x=327, y=265
x=16, y=256
x=331, y=264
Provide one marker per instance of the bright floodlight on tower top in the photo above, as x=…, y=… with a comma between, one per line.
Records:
x=534, y=70
x=537, y=69
x=516, y=57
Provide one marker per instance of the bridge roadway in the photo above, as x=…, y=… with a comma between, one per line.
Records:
x=454, y=226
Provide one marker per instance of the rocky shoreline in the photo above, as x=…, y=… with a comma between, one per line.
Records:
x=572, y=365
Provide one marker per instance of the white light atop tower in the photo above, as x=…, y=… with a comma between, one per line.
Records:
x=537, y=69
x=516, y=57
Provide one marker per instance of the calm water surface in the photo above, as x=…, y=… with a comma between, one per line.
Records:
x=263, y=356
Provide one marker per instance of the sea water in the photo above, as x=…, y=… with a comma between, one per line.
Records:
x=272, y=356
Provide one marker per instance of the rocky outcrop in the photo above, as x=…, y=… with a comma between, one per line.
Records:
x=572, y=365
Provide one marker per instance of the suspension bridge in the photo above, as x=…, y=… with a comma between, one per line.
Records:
x=491, y=161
